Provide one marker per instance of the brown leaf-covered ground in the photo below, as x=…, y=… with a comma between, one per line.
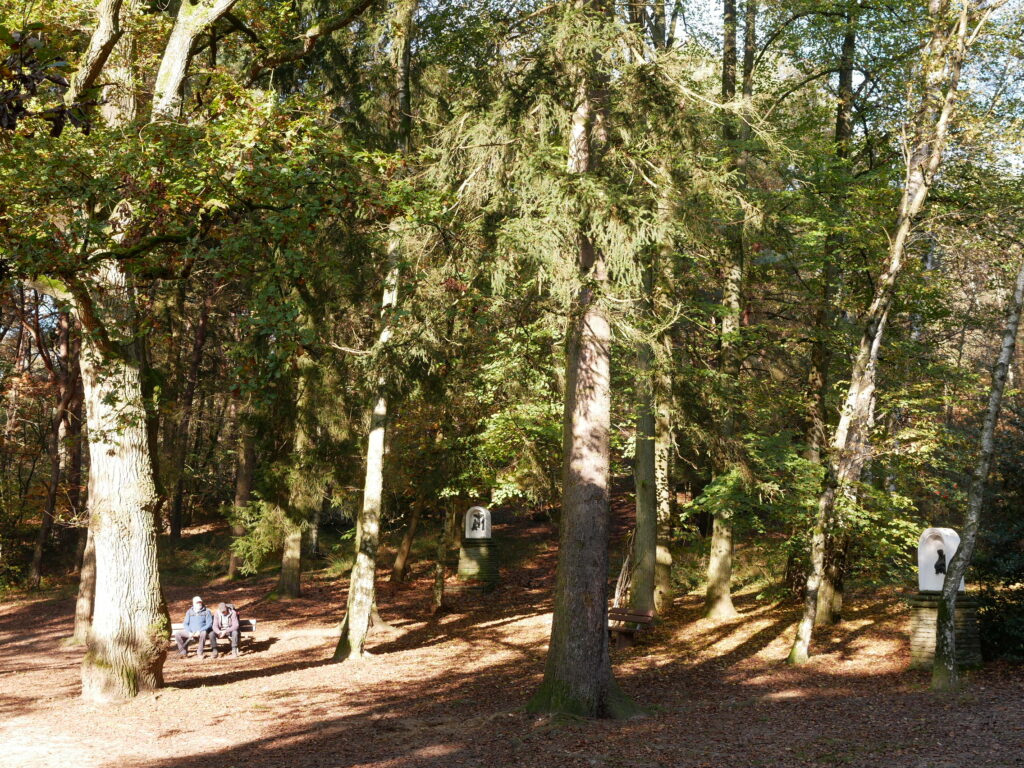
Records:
x=449, y=692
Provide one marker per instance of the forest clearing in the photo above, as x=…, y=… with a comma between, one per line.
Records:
x=450, y=691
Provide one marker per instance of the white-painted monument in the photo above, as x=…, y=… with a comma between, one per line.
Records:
x=478, y=555
x=934, y=551
x=478, y=523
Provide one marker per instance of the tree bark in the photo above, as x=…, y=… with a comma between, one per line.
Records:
x=402, y=556
x=663, y=489
x=362, y=582
x=127, y=642
x=577, y=674
x=945, y=671
x=188, y=395
x=444, y=538
x=102, y=42
x=243, y=486
x=645, y=540
x=942, y=61
x=718, y=598
x=192, y=20
x=289, y=583
x=86, y=592
x=303, y=495
x=830, y=592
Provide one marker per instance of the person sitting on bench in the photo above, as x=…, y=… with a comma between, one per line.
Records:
x=225, y=624
x=197, y=624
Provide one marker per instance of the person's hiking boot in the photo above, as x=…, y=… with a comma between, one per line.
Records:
x=182, y=654
x=215, y=654
x=200, y=656
x=234, y=653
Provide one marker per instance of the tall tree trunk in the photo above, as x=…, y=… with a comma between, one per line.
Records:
x=243, y=486
x=942, y=61
x=289, y=582
x=303, y=492
x=402, y=556
x=664, y=493
x=53, y=486
x=181, y=435
x=444, y=539
x=86, y=592
x=945, y=672
x=645, y=540
x=577, y=674
x=362, y=582
x=127, y=642
x=830, y=590
x=718, y=598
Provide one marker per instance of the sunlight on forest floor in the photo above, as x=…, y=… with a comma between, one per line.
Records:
x=449, y=693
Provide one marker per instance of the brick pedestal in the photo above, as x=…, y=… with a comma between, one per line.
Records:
x=924, y=614
x=478, y=559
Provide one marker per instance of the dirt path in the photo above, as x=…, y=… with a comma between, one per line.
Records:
x=449, y=692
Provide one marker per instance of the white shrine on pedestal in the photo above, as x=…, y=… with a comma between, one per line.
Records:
x=478, y=557
x=935, y=550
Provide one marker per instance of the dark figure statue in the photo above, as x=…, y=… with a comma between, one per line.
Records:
x=478, y=522
x=940, y=563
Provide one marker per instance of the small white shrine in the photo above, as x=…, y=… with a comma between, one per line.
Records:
x=478, y=555
x=478, y=523
x=934, y=551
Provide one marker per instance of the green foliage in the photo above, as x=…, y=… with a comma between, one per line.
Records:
x=776, y=484
x=265, y=524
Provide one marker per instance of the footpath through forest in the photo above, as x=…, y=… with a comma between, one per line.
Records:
x=449, y=692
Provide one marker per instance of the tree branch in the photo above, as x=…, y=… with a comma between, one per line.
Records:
x=308, y=39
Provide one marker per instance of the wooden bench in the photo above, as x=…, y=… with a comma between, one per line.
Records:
x=245, y=627
x=623, y=624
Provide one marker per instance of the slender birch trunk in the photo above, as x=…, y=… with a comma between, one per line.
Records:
x=362, y=582
x=664, y=491
x=945, y=671
x=942, y=61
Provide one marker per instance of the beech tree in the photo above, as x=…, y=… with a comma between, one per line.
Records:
x=951, y=33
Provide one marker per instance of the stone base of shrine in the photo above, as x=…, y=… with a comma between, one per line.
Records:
x=924, y=614
x=478, y=560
